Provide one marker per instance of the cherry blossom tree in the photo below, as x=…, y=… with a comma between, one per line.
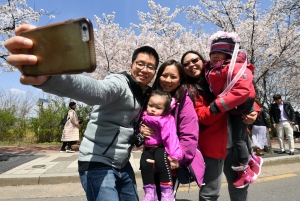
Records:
x=270, y=36
x=114, y=45
x=171, y=39
x=13, y=14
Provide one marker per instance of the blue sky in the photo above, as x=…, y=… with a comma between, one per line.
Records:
x=126, y=13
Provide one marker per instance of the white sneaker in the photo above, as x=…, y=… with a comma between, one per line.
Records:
x=70, y=151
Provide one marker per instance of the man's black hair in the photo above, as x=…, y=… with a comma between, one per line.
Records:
x=276, y=97
x=148, y=50
x=72, y=104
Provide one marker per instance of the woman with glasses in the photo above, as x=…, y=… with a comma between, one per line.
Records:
x=214, y=137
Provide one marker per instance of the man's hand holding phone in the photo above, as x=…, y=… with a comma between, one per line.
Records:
x=61, y=48
x=14, y=45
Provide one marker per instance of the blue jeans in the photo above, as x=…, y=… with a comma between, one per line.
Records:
x=108, y=183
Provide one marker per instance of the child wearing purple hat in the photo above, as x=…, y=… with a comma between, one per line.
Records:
x=230, y=77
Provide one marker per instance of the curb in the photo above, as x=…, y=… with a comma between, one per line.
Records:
x=281, y=160
x=41, y=180
x=10, y=180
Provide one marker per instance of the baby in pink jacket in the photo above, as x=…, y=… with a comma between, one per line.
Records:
x=162, y=147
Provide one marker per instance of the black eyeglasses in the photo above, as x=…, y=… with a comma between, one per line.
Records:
x=193, y=61
x=141, y=65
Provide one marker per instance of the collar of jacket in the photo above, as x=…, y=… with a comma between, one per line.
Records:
x=137, y=89
x=219, y=64
x=200, y=86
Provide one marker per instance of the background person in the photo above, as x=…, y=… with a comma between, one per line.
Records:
x=282, y=117
x=71, y=130
x=260, y=129
x=296, y=125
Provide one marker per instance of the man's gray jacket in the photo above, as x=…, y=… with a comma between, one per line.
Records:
x=116, y=102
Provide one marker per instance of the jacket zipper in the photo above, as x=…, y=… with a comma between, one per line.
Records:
x=116, y=135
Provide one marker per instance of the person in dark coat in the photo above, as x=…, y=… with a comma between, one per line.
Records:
x=282, y=117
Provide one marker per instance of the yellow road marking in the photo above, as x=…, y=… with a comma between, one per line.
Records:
x=271, y=178
x=283, y=176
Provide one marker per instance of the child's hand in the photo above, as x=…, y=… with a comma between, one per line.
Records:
x=153, y=163
x=173, y=163
x=146, y=131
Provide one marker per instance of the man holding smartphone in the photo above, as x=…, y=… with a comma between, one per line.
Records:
x=103, y=163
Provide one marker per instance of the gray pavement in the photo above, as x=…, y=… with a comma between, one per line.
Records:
x=56, y=167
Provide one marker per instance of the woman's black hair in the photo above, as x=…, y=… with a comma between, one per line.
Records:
x=192, y=52
x=71, y=104
x=181, y=72
x=198, y=85
x=168, y=99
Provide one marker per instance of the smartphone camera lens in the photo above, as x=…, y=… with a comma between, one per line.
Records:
x=85, y=32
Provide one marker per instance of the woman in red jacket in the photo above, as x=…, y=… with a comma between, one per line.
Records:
x=214, y=133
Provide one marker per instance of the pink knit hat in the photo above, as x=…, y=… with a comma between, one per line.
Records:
x=223, y=42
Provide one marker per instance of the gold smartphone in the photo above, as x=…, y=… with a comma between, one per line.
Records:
x=62, y=48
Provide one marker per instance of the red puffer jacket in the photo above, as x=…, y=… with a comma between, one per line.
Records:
x=240, y=92
x=213, y=130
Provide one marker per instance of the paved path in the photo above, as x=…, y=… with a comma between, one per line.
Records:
x=34, y=165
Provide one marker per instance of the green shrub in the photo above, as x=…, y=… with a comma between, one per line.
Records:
x=7, y=123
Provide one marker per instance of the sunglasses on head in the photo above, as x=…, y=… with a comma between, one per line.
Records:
x=193, y=61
